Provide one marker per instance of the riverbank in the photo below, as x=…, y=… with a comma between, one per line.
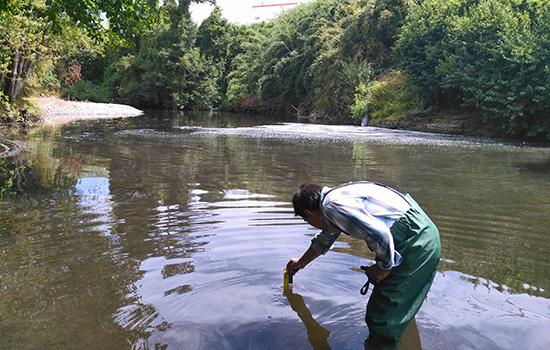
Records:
x=464, y=123
x=56, y=112
x=453, y=123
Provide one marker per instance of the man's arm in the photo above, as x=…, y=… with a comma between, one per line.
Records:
x=294, y=265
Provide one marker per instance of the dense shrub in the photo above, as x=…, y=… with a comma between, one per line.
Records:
x=488, y=54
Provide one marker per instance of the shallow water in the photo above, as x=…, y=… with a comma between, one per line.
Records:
x=171, y=231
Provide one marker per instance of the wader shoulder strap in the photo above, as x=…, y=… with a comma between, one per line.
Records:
x=368, y=182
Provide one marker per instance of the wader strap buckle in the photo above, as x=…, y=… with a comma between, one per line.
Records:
x=365, y=288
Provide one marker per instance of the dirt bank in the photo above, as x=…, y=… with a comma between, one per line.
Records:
x=466, y=124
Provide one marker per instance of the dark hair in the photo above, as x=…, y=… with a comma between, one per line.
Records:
x=307, y=197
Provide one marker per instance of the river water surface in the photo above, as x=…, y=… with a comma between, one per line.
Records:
x=171, y=231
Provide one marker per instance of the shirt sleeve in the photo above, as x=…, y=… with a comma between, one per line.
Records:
x=352, y=218
x=324, y=240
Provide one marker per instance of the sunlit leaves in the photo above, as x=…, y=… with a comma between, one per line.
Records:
x=165, y=69
x=24, y=40
x=489, y=55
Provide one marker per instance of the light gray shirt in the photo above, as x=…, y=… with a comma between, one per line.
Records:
x=363, y=210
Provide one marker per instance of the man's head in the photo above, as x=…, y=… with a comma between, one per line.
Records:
x=308, y=198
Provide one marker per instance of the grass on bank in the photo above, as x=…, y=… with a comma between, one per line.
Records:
x=25, y=110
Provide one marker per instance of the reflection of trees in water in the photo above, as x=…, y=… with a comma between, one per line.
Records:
x=60, y=281
x=20, y=179
x=38, y=175
x=62, y=278
x=154, y=219
x=177, y=269
x=152, y=216
x=79, y=263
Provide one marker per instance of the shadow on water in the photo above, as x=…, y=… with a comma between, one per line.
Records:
x=316, y=334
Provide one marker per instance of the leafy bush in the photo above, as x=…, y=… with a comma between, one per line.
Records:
x=7, y=110
x=85, y=90
x=392, y=95
x=165, y=70
x=314, y=57
x=488, y=54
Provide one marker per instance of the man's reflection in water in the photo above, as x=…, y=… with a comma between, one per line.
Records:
x=410, y=340
x=318, y=336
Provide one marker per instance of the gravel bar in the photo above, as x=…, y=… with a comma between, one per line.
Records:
x=55, y=112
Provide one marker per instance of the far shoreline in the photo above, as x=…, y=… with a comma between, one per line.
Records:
x=56, y=112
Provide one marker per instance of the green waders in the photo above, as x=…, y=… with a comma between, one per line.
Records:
x=396, y=299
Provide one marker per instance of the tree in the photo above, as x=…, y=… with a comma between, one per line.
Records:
x=212, y=37
x=488, y=55
x=24, y=39
x=27, y=28
x=125, y=17
x=165, y=69
x=245, y=67
x=314, y=56
x=372, y=30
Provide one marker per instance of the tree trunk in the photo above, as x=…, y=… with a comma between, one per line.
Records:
x=12, y=78
x=22, y=68
x=20, y=83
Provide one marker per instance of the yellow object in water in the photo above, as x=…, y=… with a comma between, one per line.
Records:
x=287, y=277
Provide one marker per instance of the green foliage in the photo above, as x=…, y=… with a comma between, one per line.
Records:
x=491, y=55
x=74, y=43
x=323, y=56
x=372, y=30
x=390, y=96
x=313, y=57
x=86, y=90
x=195, y=86
x=277, y=67
x=361, y=105
x=25, y=40
x=212, y=38
x=76, y=49
x=245, y=69
x=125, y=18
x=221, y=42
x=28, y=29
x=4, y=4
x=394, y=96
x=7, y=110
x=164, y=69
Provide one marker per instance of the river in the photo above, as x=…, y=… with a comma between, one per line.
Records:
x=171, y=231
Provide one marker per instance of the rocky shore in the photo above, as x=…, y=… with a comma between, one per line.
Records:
x=55, y=112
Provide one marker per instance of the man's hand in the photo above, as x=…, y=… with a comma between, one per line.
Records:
x=294, y=266
x=376, y=274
